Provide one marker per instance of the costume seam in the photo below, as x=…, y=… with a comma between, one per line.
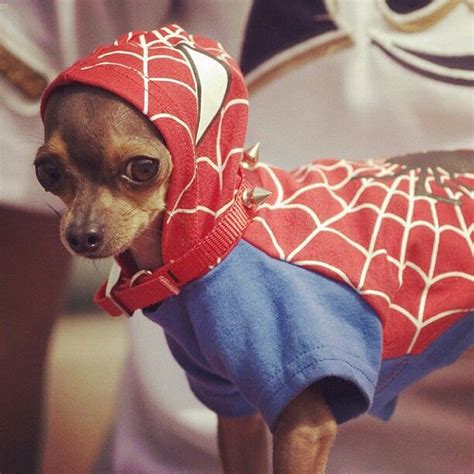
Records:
x=389, y=380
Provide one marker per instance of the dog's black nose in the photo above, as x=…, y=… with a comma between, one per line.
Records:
x=84, y=239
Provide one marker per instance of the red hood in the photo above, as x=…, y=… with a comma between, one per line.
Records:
x=194, y=93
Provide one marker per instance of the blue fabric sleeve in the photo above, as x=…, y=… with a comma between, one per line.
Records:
x=214, y=391
x=256, y=331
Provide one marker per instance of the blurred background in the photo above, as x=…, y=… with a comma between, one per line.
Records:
x=101, y=394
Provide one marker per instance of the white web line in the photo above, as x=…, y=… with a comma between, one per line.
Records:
x=428, y=280
x=171, y=34
x=121, y=53
x=444, y=314
x=220, y=166
x=274, y=240
x=155, y=117
x=325, y=225
x=317, y=263
x=140, y=56
x=173, y=81
x=111, y=63
x=145, y=74
x=214, y=165
x=276, y=181
x=201, y=208
x=408, y=227
x=375, y=232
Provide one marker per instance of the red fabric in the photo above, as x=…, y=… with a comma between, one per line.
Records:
x=410, y=256
x=389, y=230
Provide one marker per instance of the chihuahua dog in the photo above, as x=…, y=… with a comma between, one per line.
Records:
x=295, y=299
x=111, y=168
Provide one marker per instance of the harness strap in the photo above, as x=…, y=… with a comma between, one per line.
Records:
x=121, y=294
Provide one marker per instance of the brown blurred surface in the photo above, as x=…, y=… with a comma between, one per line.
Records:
x=34, y=269
x=84, y=365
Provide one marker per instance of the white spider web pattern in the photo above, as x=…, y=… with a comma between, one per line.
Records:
x=330, y=182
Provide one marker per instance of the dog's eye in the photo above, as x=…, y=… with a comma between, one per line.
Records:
x=48, y=174
x=141, y=170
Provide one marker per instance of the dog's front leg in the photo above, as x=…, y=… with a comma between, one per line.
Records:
x=243, y=444
x=304, y=434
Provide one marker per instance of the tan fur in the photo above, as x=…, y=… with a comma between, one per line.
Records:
x=304, y=434
x=126, y=211
x=91, y=134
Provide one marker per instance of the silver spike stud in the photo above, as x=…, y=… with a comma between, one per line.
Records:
x=254, y=197
x=251, y=157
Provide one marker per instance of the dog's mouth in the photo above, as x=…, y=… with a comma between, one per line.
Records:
x=98, y=241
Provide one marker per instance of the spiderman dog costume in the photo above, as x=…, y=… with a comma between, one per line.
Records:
x=357, y=275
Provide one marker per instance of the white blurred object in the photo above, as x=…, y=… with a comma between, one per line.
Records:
x=159, y=426
x=166, y=394
x=48, y=36
x=359, y=103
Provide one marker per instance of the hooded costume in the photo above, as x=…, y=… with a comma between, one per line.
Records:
x=356, y=275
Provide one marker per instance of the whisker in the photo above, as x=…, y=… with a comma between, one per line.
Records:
x=94, y=263
x=129, y=212
x=58, y=213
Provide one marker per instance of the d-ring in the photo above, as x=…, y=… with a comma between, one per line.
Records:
x=138, y=275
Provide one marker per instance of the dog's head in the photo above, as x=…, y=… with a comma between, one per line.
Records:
x=108, y=164
x=107, y=120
